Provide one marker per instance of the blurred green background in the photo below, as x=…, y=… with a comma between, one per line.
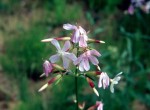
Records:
x=24, y=23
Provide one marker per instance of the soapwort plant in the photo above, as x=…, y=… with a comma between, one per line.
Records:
x=77, y=52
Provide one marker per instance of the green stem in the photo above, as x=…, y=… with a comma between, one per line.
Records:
x=76, y=82
x=76, y=90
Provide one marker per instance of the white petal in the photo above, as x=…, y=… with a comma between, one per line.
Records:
x=94, y=60
x=69, y=27
x=54, y=58
x=86, y=64
x=65, y=62
x=112, y=87
x=71, y=56
x=56, y=44
x=66, y=46
x=81, y=66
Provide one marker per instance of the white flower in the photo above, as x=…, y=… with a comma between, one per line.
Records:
x=115, y=81
x=103, y=80
x=62, y=53
x=79, y=35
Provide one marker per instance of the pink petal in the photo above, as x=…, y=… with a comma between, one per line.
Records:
x=66, y=46
x=56, y=44
x=78, y=60
x=94, y=60
x=82, y=42
x=71, y=56
x=69, y=27
x=100, y=105
x=47, y=67
x=86, y=64
x=81, y=66
x=75, y=37
x=65, y=62
x=54, y=58
x=82, y=31
x=95, y=52
x=100, y=80
x=131, y=10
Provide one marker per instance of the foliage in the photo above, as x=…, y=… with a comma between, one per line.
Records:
x=127, y=39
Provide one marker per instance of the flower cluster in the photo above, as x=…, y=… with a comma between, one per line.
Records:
x=144, y=5
x=77, y=52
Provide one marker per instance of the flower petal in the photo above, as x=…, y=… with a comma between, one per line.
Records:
x=54, y=58
x=56, y=44
x=71, y=56
x=94, y=60
x=66, y=46
x=78, y=60
x=82, y=31
x=95, y=52
x=81, y=66
x=75, y=37
x=69, y=27
x=86, y=64
x=112, y=87
x=82, y=42
x=65, y=62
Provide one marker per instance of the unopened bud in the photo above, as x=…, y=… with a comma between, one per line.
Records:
x=58, y=67
x=81, y=106
x=95, y=41
x=95, y=91
x=93, y=73
x=43, y=87
x=58, y=38
x=63, y=38
x=98, y=67
x=90, y=82
x=42, y=75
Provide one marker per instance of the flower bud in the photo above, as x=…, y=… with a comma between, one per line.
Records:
x=58, y=67
x=92, y=86
x=95, y=41
x=93, y=73
x=47, y=67
x=52, y=80
x=58, y=38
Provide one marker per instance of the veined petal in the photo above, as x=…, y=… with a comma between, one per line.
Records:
x=71, y=56
x=95, y=52
x=81, y=66
x=82, y=31
x=65, y=62
x=78, y=60
x=112, y=87
x=82, y=42
x=54, y=58
x=69, y=27
x=56, y=44
x=66, y=46
x=75, y=36
x=94, y=60
x=86, y=64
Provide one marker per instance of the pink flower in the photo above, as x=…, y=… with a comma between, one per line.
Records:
x=131, y=10
x=62, y=53
x=83, y=60
x=103, y=80
x=47, y=67
x=79, y=35
x=99, y=105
